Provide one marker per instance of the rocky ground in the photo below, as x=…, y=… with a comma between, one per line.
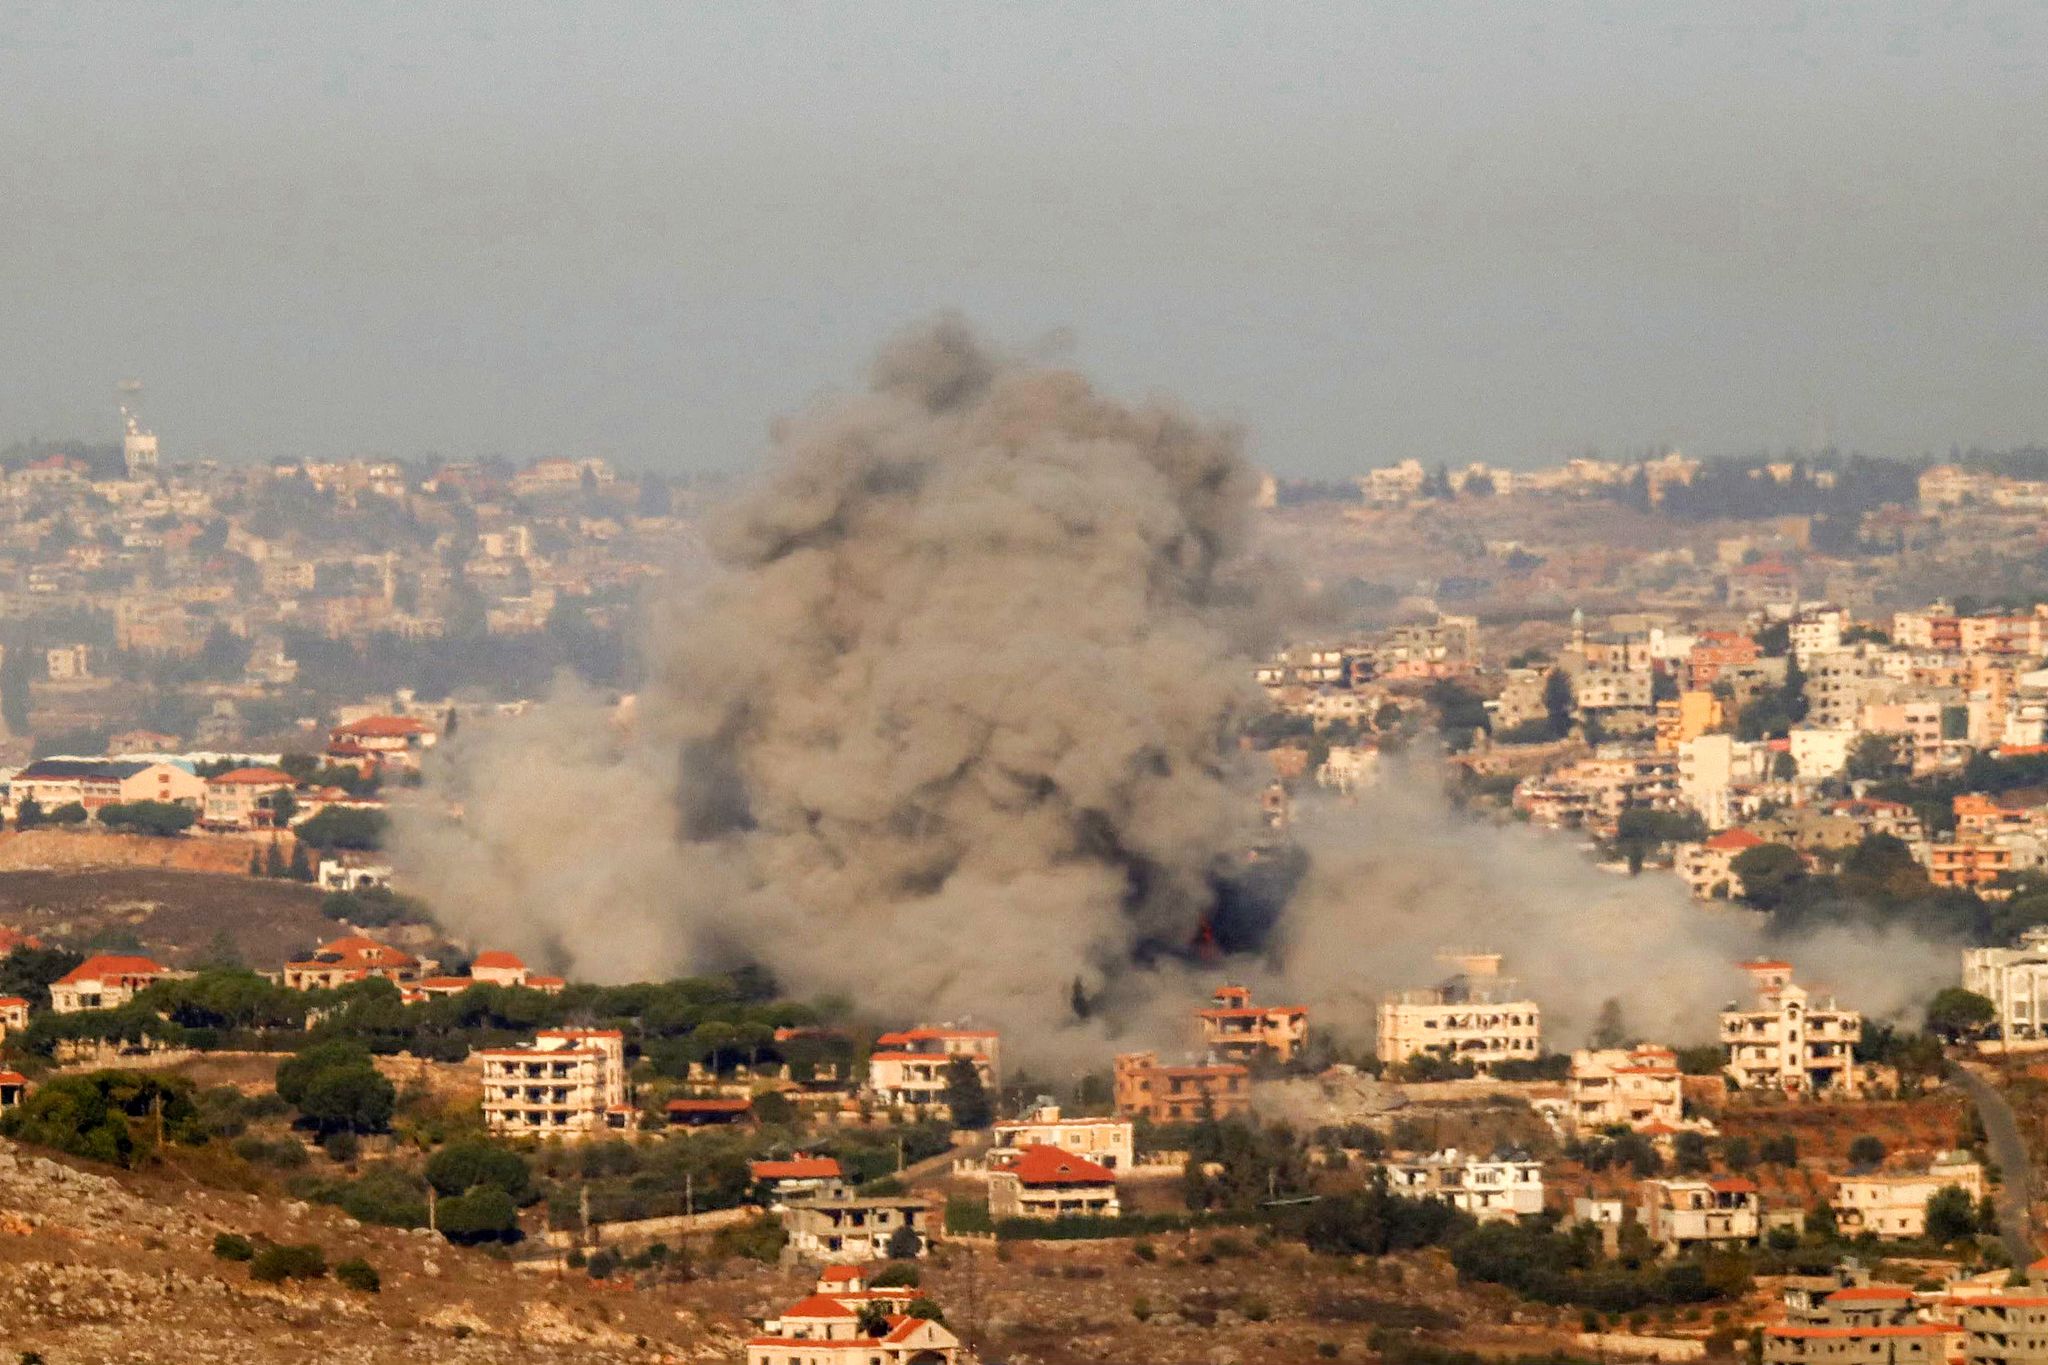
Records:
x=176, y=915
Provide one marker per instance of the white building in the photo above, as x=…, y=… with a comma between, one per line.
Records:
x=1474, y=1017
x=1635, y=1088
x=1818, y=753
x=1893, y=1204
x=1044, y=1182
x=568, y=1083
x=1788, y=1042
x=1109, y=1142
x=1682, y=1213
x=2015, y=981
x=1500, y=1188
x=104, y=982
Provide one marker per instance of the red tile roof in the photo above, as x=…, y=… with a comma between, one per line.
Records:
x=384, y=727
x=796, y=1168
x=107, y=965
x=354, y=952
x=497, y=957
x=818, y=1306
x=709, y=1106
x=1039, y=1164
x=841, y=1274
x=1735, y=839
x=1870, y=1293
x=1732, y=1184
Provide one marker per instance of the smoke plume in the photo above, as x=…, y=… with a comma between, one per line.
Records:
x=948, y=729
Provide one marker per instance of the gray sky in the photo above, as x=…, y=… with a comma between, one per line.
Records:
x=1505, y=232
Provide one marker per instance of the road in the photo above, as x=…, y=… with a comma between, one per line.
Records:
x=2015, y=1194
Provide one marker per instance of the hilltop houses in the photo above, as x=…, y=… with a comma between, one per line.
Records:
x=1639, y=1088
x=1038, y=1181
x=832, y=1325
x=1788, y=1042
x=352, y=958
x=1234, y=1028
x=1475, y=1018
x=566, y=1083
x=1179, y=1094
x=105, y=981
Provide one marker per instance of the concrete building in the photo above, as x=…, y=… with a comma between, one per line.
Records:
x=1708, y=867
x=1109, y=1142
x=97, y=782
x=566, y=1083
x=1893, y=1204
x=2015, y=981
x=1683, y=1213
x=919, y=1080
x=247, y=798
x=1180, y=1094
x=1233, y=1027
x=1474, y=1017
x=1491, y=1189
x=843, y=1228
x=1038, y=1181
x=352, y=958
x=948, y=1041
x=1787, y=1042
x=1636, y=1088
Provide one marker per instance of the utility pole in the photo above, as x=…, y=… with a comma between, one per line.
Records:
x=690, y=1195
x=433, y=1210
x=583, y=1211
x=899, y=1154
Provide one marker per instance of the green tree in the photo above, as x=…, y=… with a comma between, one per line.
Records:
x=301, y=868
x=461, y=1167
x=159, y=819
x=485, y=1214
x=1951, y=1215
x=1867, y=1150
x=1955, y=1013
x=70, y=813
x=967, y=1098
x=1874, y=757
x=872, y=1320
x=344, y=827
x=1768, y=872
x=904, y=1244
x=29, y=814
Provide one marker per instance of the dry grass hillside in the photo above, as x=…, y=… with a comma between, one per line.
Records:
x=172, y=914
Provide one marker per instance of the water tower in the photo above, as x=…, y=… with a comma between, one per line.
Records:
x=138, y=443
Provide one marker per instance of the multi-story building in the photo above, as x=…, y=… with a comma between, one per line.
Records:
x=1637, y=1088
x=1682, y=1213
x=352, y=958
x=1893, y=1204
x=1859, y=1323
x=1788, y=1042
x=97, y=782
x=1505, y=1187
x=1180, y=1094
x=105, y=981
x=566, y=1083
x=2015, y=981
x=1107, y=1141
x=919, y=1080
x=247, y=798
x=1708, y=867
x=1233, y=1027
x=1474, y=1017
x=1038, y=1181
x=839, y=1227
x=948, y=1041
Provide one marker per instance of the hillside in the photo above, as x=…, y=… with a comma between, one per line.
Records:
x=173, y=914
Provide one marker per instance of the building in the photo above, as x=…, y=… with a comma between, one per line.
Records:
x=1788, y=1042
x=1880, y=1324
x=1708, y=867
x=349, y=959
x=919, y=1080
x=947, y=1041
x=248, y=798
x=709, y=1111
x=1180, y=1094
x=97, y=782
x=1235, y=1028
x=2006, y=1329
x=1037, y=1181
x=832, y=1327
x=1492, y=1189
x=396, y=741
x=105, y=981
x=566, y=1083
x=1635, y=1088
x=13, y=1014
x=1107, y=1141
x=2015, y=981
x=1893, y=1204
x=1682, y=1213
x=493, y=967
x=840, y=1227
x=797, y=1177
x=13, y=1089
x=1473, y=1018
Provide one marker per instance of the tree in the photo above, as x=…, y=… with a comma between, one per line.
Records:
x=1866, y=1150
x=1875, y=757
x=904, y=1244
x=966, y=1097
x=28, y=814
x=872, y=1320
x=301, y=867
x=344, y=827
x=159, y=819
x=70, y=813
x=1768, y=872
x=1951, y=1215
x=1559, y=703
x=485, y=1214
x=1689, y=1153
x=1955, y=1013
x=335, y=1086
x=461, y=1167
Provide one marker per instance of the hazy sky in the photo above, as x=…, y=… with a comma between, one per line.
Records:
x=1505, y=232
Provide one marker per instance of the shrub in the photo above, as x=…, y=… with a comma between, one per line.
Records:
x=904, y=1244
x=341, y=1147
x=761, y=1240
x=358, y=1274
x=485, y=1214
x=232, y=1246
x=301, y=1261
x=461, y=1167
x=896, y=1275
x=286, y=1153
x=603, y=1264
